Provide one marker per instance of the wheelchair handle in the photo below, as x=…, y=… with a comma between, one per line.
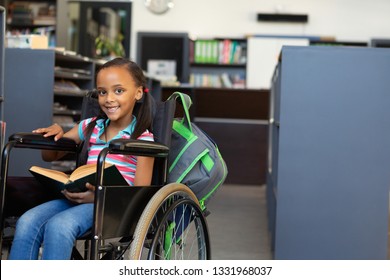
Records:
x=37, y=141
x=138, y=148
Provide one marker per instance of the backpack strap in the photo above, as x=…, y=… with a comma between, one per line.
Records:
x=186, y=102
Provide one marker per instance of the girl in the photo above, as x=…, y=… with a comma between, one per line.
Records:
x=56, y=224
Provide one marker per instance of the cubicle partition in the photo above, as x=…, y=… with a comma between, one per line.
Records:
x=329, y=157
x=2, y=37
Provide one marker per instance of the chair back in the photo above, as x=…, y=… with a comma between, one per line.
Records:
x=90, y=106
x=164, y=113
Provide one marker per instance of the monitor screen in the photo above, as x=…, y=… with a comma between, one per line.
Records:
x=164, y=54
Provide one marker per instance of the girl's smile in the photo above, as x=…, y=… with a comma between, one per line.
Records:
x=111, y=110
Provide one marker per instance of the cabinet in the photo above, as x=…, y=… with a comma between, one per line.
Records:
x=38, y=17
x=329, y=158
x=219, y=63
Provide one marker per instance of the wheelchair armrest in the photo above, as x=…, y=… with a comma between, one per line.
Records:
x=138, y=148
x=37, y=141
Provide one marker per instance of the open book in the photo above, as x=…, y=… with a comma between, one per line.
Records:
x=76, y=181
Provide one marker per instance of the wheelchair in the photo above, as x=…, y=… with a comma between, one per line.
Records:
x=158, y=222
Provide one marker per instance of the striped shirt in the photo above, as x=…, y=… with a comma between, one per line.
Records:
x=126, y=164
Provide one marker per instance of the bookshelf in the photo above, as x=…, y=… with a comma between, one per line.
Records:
x=32, y=17
x=73, y=77
x=218, y=62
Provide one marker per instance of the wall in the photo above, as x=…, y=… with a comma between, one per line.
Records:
x=357, y=20
x=347, y=20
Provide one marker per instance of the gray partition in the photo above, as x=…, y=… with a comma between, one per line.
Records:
x=329, y=158
x=29, y=83
x=2, y=38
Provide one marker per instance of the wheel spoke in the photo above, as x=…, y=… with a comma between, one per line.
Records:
x=176, y=226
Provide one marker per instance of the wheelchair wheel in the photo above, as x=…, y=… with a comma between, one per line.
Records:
x=172, y=226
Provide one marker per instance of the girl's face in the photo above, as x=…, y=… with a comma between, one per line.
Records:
x=117, y=93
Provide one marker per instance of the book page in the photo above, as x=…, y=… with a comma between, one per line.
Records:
x=85, y=170
x=54, y=174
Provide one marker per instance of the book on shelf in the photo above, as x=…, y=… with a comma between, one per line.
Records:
x=213, y=51
x=227, y=83
x=75, y=182
x=205, y=80
x=238, y=81
x=225, y=54
x=223, y=80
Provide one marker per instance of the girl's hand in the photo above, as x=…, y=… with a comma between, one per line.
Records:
x=81, y=197
x=53, y=130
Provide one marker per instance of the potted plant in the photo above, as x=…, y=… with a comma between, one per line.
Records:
x=108, y=48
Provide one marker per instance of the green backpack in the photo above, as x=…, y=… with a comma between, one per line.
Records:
x=194, y=158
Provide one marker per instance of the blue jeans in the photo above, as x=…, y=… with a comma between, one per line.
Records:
x=54, y=225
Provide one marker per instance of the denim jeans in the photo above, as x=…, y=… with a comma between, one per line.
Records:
x=54, y=225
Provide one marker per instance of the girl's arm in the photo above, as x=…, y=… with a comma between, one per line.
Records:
x=144, y=171
x=57, y=131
